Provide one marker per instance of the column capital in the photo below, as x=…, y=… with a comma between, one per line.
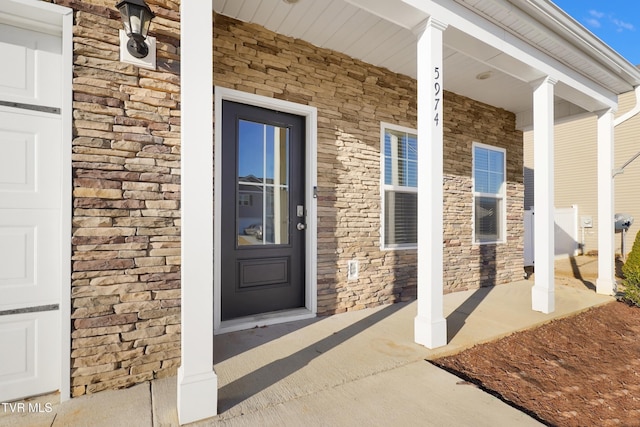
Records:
x=429, y=22
x=601, y=113
x=545, y=80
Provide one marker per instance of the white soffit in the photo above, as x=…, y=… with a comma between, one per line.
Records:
x=400, y=14
x=378, y=32
x=544, y=25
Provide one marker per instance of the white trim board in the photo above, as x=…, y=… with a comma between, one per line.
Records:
x=311, y=244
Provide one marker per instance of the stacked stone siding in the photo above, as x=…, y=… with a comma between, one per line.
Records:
x=471, y=265
x=352, y=99
x=126, y=202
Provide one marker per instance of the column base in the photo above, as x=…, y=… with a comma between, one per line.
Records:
x=543, y=299
x=430, y=333
x=606, y=286
x=197, y=396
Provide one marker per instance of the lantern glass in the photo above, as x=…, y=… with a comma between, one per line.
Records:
x=136, y=17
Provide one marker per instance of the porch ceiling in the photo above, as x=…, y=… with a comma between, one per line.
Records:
x=379, y=32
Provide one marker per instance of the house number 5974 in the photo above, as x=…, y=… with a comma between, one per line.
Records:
x=437, y=88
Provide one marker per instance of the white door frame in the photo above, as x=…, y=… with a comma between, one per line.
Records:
x=311, y=285
x=57, y=20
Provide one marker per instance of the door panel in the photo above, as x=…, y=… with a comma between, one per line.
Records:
x=32, y=365
x=30, y=143
x=29, y=261
x=263, y=202
x=263, y=272
x=30, y=212
x=36, y=62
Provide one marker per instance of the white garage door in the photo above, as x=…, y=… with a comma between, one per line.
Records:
x=30, y=212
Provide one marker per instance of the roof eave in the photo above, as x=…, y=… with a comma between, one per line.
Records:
x=577, y=35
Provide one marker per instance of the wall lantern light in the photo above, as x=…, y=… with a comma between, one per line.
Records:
x=136, y=18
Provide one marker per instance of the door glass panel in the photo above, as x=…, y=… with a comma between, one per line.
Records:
x=262, y=211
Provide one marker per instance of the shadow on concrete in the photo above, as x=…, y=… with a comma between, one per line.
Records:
x=578, y=274
x=253, y=383
x=457, y=319
x=228, y=345
x=582, y=268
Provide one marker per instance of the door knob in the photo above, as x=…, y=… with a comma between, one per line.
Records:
x=300, y=226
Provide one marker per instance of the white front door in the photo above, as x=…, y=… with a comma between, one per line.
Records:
x=30, y=212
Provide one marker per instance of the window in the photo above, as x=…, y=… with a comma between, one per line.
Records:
x=399, y=187
x=489, y=205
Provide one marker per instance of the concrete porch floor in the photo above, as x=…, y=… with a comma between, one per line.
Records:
x=359, y=367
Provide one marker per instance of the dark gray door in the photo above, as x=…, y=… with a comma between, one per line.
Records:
x=263, y=211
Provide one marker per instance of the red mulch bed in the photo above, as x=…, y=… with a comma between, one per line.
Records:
x=583, y=370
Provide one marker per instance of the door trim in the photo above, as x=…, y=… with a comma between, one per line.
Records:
x=311, y=285
x=57, y=20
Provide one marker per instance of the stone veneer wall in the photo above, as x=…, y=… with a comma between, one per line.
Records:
x=126, y=202
x=352, y=98
x=468, y=266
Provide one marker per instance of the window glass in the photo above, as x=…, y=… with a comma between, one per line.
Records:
x=401, y=159
x=262, y=212
x=401, y=226
x=400, y=192
x=488, y=170
x=489, y=193
x=488, y=218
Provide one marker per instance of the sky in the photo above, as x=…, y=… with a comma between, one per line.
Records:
x=616, y=22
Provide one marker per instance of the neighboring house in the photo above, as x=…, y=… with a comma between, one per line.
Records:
x=123, y=211
x=575, y=173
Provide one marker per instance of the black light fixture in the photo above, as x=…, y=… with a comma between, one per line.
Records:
x=136, y=18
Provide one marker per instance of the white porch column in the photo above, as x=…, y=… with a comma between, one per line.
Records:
x=197, y=382
x=430, y=324
x=543, y=291
x=606, y=283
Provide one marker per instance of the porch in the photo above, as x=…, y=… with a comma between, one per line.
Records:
x=534, y=50
x=336, y=370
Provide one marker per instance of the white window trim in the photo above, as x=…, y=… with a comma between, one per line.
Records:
x=383, y=187
x=503, y=225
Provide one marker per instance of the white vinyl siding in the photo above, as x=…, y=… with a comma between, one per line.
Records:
x=576, y=165
x=489, y=207
x=399, y=164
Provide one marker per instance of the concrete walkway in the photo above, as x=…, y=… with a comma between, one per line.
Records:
x=354, y=368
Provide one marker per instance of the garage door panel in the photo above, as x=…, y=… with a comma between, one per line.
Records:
x=20, y=335
x=17, y=161
x=29, y=173
x=33, y=338
x=36, y=61
x=33, y=199
x=29, y=266
x=17, y=256
x=17, y=80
